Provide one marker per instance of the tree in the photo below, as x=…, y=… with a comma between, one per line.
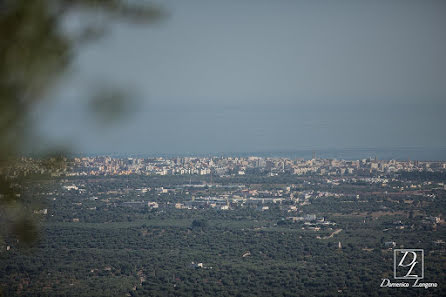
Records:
x=35, y=51
x=199, y=224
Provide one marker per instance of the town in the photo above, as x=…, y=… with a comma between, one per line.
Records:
x=229, y=166
x=188, y=221
x=224, y=166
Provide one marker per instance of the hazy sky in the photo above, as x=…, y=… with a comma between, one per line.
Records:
x=233, y=76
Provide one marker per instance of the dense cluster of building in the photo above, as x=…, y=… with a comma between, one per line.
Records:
x=240, y=166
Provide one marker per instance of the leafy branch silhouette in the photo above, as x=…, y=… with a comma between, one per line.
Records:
x=35, y=51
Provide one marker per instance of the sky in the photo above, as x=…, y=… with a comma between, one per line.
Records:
x=258, y=76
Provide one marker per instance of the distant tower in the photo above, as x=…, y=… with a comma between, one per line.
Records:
x=314, y=155
x=339, y=245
